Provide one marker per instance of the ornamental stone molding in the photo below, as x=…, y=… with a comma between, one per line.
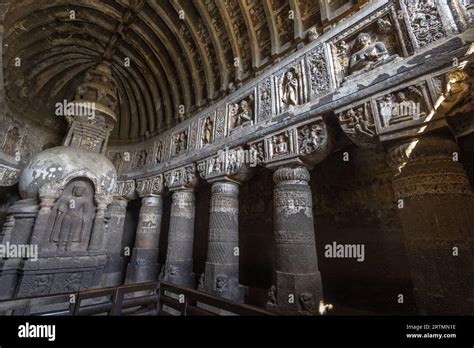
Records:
x=151, y=186
x=184, y=177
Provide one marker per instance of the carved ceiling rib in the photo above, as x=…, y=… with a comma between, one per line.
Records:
x=177, y=37
x=205, y=59
x=298, y=21
x=272, y=26
x=254, y=44
x=218, y=45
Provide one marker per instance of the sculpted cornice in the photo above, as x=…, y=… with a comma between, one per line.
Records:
x=317, y=80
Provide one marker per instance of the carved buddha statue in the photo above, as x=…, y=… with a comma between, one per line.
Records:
x=368, y=55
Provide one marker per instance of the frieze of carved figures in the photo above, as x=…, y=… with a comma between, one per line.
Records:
x=150, y=186
x=424, y=19
x=181, y=177
x=359, y=125
x=311, y=137
x=290, y=87
x=125, y=189
x=231, y=163
x=180, y=142
x=319, y=80
x=404, y=107
x=241, y=113
x=8, y=176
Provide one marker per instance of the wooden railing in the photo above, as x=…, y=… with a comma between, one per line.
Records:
x=135, y=299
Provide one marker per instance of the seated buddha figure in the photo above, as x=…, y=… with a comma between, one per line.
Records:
x=368, y=55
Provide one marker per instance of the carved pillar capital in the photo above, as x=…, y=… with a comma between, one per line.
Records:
x=152, y=186
x=427, y=165
x=288, y=173
x=181, y=178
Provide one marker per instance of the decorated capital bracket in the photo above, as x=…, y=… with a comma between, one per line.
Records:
x=151, y=186
x=125, y=189
x=306, y=144
x=184, y=177
x=229, y=164
x=8, y=176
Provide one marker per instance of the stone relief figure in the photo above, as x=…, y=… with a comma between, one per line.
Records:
x=310, y=138
x=241, y=113
x=358, y=121
x=73, y=214
x=425, y=21
x=272, y=295
x=141, y=158
x=222, y=283
x=117, y=160
x=398, y=107
x=280, y=144
x=257, y=152
x=180, y=142
x=11, y=142
x=159, y=152
x=207, y=131
x=367, y=55
x=307, y=303
x=290, y=96
x=457, y=94
x=201, y=282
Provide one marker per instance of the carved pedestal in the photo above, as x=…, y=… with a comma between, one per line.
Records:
x=116, y=218
x=222, y=265
x=297, y=280
x=179, y=259
x=437, y=215
x=143, y=266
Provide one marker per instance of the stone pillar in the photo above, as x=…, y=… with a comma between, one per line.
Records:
x=297, y=280
x=437, y=216
x=116, y=218
x=179, y=259
x=143, y=266
x=222, y=266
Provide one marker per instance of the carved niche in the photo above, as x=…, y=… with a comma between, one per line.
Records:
x=180, y=142
x=159, y=152
x=241, y=113
x=423, y=20
x=280, y=145
x=359, y=125
x=206, y=130
x=290, y=87
x=72, y=216
x=402, y=108
x=140, y=158
x=368, y=45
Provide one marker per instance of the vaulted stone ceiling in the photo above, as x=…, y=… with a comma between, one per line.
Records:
x=181, y=52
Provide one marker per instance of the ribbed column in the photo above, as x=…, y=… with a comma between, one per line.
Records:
x=436, y=209
x=116, y=219
x=222, y=265
x=297, y=280
x=179, y=259
x=143, y=264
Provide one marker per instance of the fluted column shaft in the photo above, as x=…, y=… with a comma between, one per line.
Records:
x=297, y=279
x=179, y=259
x=222, y=265
x=143, y=264
x=436, y=209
